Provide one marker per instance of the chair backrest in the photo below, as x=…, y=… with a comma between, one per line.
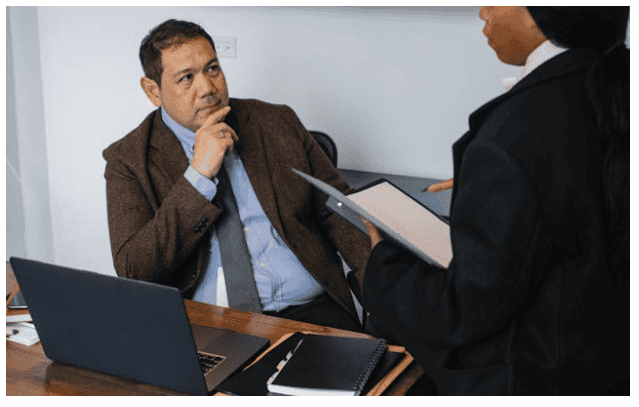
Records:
x=327, y=144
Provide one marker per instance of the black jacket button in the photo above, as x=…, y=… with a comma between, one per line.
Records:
x=201, y=225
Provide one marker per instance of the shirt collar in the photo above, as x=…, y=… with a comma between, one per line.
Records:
x=184, y=135
x=545, y=51
x=541, y=54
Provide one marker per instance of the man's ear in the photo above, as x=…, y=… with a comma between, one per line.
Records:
x=152, y=90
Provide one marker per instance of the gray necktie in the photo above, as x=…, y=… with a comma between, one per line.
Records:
x=236, y=261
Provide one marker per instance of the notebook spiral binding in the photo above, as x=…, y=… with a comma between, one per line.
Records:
x=366, y=371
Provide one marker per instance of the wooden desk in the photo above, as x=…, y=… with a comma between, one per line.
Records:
x=30, y=373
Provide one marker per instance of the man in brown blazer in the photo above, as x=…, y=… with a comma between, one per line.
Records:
x=163, y=202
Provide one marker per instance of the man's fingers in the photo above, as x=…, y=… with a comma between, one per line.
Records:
x=220, y=114
x=233, y=134
x=216, y=116
x=224, y=131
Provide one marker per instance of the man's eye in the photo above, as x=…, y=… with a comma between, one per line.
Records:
x=214, y=69
x=186, y=78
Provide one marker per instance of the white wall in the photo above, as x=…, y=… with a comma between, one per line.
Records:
x=393, y=88
x=29, y=226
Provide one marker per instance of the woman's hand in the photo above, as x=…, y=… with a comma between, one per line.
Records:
x=373, y=232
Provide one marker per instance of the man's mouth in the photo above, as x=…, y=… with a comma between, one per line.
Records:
x=207, y=107
x=213, y=106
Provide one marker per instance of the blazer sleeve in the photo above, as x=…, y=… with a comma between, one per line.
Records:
x=151, y=240
x=494, y=221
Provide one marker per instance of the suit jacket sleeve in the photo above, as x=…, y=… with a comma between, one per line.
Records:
x=493, y=222
x=151, y=240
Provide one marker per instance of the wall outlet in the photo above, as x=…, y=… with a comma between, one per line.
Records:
x=225, y=47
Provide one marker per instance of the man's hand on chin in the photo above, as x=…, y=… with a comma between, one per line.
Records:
x=213, y=140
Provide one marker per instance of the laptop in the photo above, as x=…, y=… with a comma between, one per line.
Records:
x=128, y=328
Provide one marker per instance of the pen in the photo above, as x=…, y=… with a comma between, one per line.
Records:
x=440, y=186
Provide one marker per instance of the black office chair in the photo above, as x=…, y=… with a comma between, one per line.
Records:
x=327, y=144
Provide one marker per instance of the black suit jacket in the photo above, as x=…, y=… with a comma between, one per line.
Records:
x=528, y=304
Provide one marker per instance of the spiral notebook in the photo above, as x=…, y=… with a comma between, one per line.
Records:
x=327, y=366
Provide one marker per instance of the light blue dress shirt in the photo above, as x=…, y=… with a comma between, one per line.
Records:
x=280, y=277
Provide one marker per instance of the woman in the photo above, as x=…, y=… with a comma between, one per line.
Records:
x=536, y=298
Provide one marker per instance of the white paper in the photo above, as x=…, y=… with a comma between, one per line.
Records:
x=19, y=318
x=22, y=332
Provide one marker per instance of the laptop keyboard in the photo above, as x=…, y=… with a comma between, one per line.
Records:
x=208, y=361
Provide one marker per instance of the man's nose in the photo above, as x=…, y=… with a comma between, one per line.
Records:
x=205, y=85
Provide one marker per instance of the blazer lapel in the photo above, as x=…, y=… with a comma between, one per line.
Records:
x=565, y=63
x=252, y=151
x=562, y=64
x=166, y=150
x=475, y=121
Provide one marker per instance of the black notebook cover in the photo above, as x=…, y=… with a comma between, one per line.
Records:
x=252, y=381
x=327, y=365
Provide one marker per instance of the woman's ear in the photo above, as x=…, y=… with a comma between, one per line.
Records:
x=532, y=27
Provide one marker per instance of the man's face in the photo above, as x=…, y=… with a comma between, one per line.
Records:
x=193, y=84
x=511, y=32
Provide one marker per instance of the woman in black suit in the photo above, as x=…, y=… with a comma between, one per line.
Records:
x=536, y=298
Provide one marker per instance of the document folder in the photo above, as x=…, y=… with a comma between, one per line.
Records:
x=400, y=218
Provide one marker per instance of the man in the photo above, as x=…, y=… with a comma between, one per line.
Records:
x=170, y=180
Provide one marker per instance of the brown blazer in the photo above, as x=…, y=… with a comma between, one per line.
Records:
x=160, y=225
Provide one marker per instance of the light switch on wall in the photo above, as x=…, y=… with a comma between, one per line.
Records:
x=225, y=47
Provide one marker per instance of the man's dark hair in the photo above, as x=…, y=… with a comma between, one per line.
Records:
x=170, y=33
